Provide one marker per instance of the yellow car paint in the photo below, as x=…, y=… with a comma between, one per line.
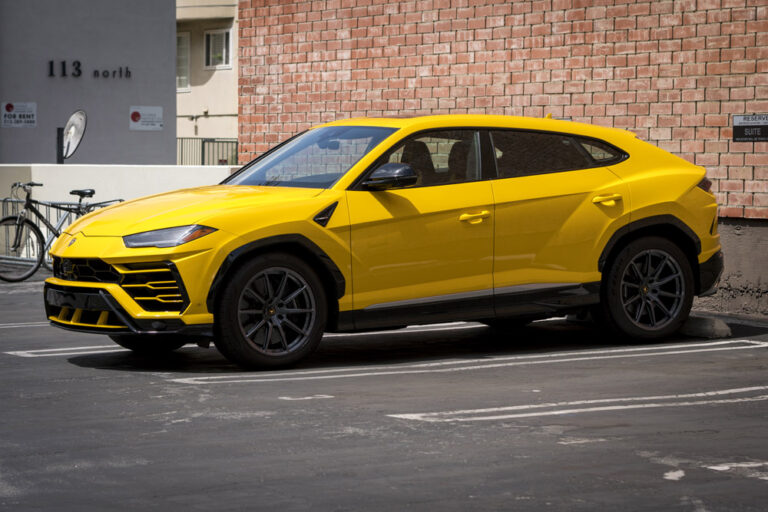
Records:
x=410, y=244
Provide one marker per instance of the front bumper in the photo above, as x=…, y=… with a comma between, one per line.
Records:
x=96, y=310
x=709, y=274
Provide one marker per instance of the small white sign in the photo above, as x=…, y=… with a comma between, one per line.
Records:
x=19, y=115
x=753, y=120
x=145, y=118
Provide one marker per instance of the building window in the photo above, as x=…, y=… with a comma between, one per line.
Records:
x=182, y=61
x=217, y=49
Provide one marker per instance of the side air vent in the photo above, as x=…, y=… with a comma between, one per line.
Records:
x=324, y=216
x=155, y=286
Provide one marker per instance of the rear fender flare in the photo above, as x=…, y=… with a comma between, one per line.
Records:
x=629, y=232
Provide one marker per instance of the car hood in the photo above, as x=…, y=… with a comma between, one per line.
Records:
x=183, y=207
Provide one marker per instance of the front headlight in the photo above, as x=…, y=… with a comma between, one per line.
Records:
x=169, y=237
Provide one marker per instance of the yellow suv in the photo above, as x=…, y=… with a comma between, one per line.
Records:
x=376, y=223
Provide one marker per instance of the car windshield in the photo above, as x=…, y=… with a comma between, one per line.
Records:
x=313, y=159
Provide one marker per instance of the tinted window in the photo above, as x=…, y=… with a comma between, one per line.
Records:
x=315, y=159
x=440, y=157
x=521, y=153
x=600, y=152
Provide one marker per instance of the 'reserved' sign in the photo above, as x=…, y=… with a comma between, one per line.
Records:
x=752, y=128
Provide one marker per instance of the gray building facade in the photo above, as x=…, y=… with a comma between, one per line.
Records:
x=115, y=60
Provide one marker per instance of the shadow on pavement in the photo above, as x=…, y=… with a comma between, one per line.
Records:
x=400, y=346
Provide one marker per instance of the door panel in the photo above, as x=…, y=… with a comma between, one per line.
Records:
x=421, y=243
x=551, y=228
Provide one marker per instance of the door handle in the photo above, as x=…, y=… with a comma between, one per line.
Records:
x=474, y=218
x=607, y=200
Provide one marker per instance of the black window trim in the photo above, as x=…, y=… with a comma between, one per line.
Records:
x=621, y=154
x=489, y=169
x=485, y=171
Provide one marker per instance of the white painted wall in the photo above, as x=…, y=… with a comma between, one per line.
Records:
x=109, y=181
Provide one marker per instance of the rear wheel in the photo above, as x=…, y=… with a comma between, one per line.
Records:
x=648, y=290
x=21, y=249
x=272, y=312
x=149, y=344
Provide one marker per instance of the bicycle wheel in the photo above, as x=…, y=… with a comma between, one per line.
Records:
x=21, y=252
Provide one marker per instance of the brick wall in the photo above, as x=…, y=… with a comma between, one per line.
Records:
x=674, y=72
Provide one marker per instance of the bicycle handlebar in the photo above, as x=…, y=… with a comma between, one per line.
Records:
x=80, y=207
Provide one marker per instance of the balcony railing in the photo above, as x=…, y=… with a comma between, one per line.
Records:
x=200, y=151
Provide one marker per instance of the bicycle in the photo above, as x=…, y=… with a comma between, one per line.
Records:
x=22, y=245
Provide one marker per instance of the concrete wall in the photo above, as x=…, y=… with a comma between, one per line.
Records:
x=103, y=36
x=744, y=286
x=109, y=181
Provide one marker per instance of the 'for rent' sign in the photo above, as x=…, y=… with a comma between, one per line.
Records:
x=18, y=115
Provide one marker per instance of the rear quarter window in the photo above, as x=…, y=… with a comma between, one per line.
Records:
x=526, y=153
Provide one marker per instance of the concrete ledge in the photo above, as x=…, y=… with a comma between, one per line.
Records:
x=109, y=181
x=743, y=288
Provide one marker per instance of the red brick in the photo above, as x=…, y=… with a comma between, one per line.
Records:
x=731, y=211
x=652, y=67
x=756, y=212
x=732, y=185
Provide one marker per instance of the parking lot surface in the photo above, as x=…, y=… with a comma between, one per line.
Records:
x=554, y=416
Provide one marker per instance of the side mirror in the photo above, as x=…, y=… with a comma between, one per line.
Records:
x=391, y=175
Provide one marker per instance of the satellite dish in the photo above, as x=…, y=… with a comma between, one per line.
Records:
x=73, y=133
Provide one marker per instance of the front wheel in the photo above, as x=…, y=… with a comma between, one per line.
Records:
x=648, y=289
x=21, y=249
x=272, y=312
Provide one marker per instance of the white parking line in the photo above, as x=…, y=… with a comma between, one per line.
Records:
x=68, y=351
x=313, y=397
x=22, y=325
x=458, y=365
x=753, y=394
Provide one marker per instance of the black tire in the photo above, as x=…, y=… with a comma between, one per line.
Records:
x=647, y=290
x=18, y=265
x=155, y=344
x=272, y=312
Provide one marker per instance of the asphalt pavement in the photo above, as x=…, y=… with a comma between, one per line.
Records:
x=554, y=416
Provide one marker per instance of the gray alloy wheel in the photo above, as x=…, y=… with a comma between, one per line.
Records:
x=271, y=313
x=652, y=289
x=648, y=288
x=276, y=311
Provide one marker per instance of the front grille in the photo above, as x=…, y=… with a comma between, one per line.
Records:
x=86, y=318
x=81, y=308
x=154, y=286
x=90, y=270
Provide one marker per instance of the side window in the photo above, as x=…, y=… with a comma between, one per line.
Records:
x=522, y=153
x=600, y=152
x=440, y=157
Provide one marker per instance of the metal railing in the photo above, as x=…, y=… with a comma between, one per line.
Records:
x=201, y=151
x=12, y=206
